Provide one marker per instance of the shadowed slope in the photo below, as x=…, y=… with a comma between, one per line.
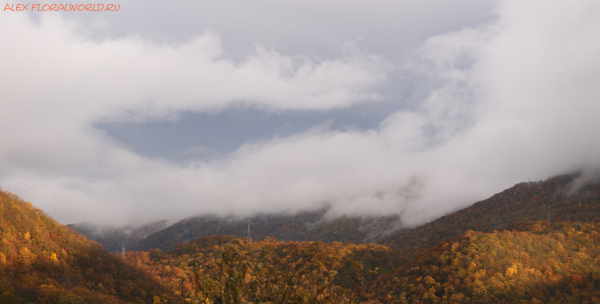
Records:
x=520, y=203
x=113, y=238
x=304, y=226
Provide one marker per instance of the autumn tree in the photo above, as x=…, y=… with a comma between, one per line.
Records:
x=273, y=273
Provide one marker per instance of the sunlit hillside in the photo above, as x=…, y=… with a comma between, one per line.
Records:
x=42, y=261
x=534, y=263
x=331, y=265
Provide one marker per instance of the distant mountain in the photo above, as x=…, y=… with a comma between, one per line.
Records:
x=304, y=226
x=113, y=238
x=521, y=203
x=42, y=261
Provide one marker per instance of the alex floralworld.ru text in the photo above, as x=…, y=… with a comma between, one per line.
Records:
x=63, y=7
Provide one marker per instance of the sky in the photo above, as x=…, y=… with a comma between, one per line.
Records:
x=169, y=109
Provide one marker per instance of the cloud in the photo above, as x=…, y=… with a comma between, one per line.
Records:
x=131, y=76
x=60, y=84
x=511, y=98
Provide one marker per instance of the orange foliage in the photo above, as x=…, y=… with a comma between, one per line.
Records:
x=42, y=261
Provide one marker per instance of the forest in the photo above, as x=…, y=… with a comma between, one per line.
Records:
x=42, y=261
x=303, y=226
x=532, y=243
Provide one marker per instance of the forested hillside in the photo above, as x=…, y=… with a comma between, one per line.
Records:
x=42, y=261
x=519, y=257
x=305, y=226
x=536, y=262
x=520, y=203
x=331, y=266
x=113, y=238
x=500, y=250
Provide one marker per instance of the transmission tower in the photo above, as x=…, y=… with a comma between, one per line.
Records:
x=123, y=252
x=248, y=236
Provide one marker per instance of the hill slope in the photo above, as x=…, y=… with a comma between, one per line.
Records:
x=42, y=261
x=445, y=262
x=176, y=268
x=113, y=238
x=535, y=263
x=305, y=226
x=521, y=203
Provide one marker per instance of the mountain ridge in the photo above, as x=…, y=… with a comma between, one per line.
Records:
x=499, y=250
x=528, y=201
x=303, y=226
x=114, y=238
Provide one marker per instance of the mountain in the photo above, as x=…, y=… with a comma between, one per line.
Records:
x=530, y=201
x=523, y=202
x=114, y=238
x=500, y=250
x=304, y=226
x=42, y=261
x=562, y=197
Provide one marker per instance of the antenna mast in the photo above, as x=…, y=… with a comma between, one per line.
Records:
x=123, y=252
x=548, y=214
x=248, y=236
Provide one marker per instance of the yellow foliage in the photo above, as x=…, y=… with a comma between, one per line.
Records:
x=472, y=266
x=454, y=246
x=510, y=271
x=53, y=258
x=27, y=257
x=429, y=280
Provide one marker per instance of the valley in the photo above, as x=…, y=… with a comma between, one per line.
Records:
x=499, y=250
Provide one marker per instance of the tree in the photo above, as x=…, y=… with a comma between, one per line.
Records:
x=273, y=273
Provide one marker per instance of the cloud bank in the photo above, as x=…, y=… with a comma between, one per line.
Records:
x=510, y=99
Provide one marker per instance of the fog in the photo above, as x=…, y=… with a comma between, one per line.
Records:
x=508, y=97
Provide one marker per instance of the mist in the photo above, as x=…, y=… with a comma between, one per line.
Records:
x=507, y=99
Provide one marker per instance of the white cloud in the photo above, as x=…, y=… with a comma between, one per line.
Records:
x=94, y=79
x=510, y=99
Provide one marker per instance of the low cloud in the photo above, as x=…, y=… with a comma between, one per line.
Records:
x=510, y=99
